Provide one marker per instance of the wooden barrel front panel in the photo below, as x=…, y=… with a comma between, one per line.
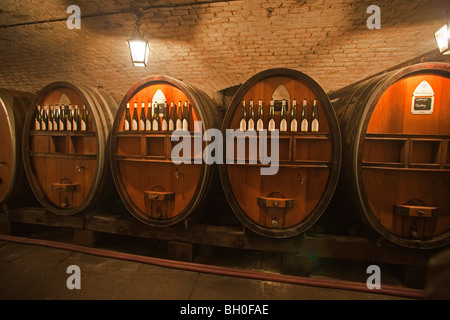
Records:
x=154, y=189
x=13, y=109
x=69, y=170
x=397, y=162
x=309, y=162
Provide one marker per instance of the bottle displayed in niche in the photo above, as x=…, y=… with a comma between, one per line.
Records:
x=179, y=125
x=283, y=117
x=56, y=118
x=44, y=119
x=69, y=121
x=293, y=126
x=315, y=118
x=84, y=118
x=50, y=118
x=135, y=119
x=63, y=118
x=76, y=119
x=37, y=119
x=251, y=117
x=186, y=117
x=260, y=121
x=127, y=122
x=304, y=123
x=271, y=124
x=142, y=117
x=148, y=118
x=243, y=121
x=173, y=116
x=155, y=121
x=165, y=119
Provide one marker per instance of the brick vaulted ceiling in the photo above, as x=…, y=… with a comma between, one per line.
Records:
x=212, y=46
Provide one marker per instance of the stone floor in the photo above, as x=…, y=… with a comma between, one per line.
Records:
x=30, y=272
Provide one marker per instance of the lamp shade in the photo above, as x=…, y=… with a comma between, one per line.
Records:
x=442, y=38
x=139, y=49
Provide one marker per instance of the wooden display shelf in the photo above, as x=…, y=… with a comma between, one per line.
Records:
x=62, y=133
x=63, y=155
x=287, y=164
x=406, y=152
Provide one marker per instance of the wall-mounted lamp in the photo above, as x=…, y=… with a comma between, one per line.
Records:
x=139, y=47
x=443, y=39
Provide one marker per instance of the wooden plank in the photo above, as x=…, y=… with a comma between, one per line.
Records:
x=41, y=216
x=269, y=202
x=415, y=211
x=325, y=246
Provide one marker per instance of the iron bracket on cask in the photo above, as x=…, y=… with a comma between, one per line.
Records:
x=415, y=211
x=160, y=195
x=65, y=187
x=267, y=202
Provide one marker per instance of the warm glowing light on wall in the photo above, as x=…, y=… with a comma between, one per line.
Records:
x=443, y=39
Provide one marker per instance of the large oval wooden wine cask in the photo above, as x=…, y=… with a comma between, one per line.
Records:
x=13, y=110
x=290, y=201
x=154, y=188
x=69, y=170
x=396, y=153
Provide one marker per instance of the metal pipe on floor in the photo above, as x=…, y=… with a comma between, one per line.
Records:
x=222, y=271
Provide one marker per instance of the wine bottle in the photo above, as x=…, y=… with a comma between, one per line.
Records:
x=69, y=125
x=179, y=117
x=315, y=118
x=283, y=116
x=56, y=118
x=50, y=118
x=173, y=117
x=62, y=118
x=304, y=123
x=260, y=121
x=294, y=116
x=37, y=119
x=165, y=119
x=251, y=117
x=271, y=125
x=155, y=122
x=76, y=119
x=186, y=117
x=127, y=122
x=148, y=119
x=44, y=119
x=84, y=120
x=243, y=121
x=142, y=117
x=135, y=119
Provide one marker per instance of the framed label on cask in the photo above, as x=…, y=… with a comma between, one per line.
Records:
x=423, y=99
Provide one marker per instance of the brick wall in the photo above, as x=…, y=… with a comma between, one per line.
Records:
x=213, y=46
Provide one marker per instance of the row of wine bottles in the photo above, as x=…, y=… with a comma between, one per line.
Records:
x=61, y=118
x=255, y=120
x=157, y=118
